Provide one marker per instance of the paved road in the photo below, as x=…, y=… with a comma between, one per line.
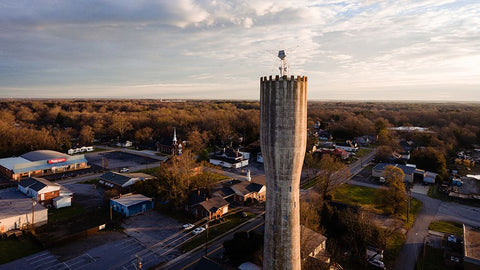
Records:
x=358, y=165
x=415, y=236
x=215, y=248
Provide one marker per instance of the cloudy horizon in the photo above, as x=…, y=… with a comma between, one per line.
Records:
x=350, y=50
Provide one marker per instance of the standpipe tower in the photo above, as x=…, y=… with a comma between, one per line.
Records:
x=283, y=136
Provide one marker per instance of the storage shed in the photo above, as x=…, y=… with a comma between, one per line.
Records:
x=131, y=204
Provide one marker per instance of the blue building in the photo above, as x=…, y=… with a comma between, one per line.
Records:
x=130, y=205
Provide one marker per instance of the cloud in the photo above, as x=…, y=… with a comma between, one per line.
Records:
x=104, y=44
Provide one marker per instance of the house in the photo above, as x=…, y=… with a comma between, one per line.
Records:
x=324, y=135
x=228, y=158
x=334, y=152
x=313, y=246
x=212, y=208
x=131, y=204
x=122, y=181
x=471, y=248
x=429, y=177
x=410, y=171
x=348, y=146
x=40, y=189
x=254, y=189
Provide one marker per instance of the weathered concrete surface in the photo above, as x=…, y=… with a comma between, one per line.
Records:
x=283, y=127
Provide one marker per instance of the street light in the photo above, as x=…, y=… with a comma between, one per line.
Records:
x=33, y=212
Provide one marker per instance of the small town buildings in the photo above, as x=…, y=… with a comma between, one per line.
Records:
x=39, y=163
x=122, y=181
x=19, y=212
x=348, y=146
x=62, y=201
x=228, y=158
x=241, y=191
x=410, y=171
x=40, y=189
x=254, y=189
x=212, y=208
x=131, y=204
x=471, y=250
x=334, y=152
x=313, y=246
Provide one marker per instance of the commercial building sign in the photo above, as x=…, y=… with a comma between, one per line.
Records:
x=57, y=160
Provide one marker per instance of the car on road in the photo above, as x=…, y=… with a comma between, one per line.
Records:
x=198, y=230
x=124, y=170
x=188, y=226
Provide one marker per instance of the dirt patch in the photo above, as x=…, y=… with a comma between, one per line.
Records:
x=81, y=246
x=387, y=222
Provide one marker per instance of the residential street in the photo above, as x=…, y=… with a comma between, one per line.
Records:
x=215, y=249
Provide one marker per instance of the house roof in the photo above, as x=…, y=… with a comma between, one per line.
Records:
x=406, y=169
x=213, y=204
x=129, y=200
x=246, y=187
x=37, y=183
x=14, y=204
x=310, y=240
x=43, y=155
x=10, y=162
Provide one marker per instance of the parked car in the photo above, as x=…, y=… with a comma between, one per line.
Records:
x=188, y=226
x=243, y=214
x=124, y=170
x=198, y=230
x=377, y=263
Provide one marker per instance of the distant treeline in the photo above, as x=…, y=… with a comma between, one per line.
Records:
x=27, y=125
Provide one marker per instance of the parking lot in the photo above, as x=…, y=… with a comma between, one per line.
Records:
x=118, y=159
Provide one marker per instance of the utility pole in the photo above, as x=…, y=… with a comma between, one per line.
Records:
x=206, y=243
x=33, y=213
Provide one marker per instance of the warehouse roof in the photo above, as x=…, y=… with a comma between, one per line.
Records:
x=13, y=203
x=10, y=162
x=130, y=200
x=43, y=155
x=123, y=178
x=472, y=242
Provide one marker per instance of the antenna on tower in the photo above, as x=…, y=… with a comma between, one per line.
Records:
x=283, y=66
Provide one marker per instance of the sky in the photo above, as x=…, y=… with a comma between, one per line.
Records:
x=350, y=50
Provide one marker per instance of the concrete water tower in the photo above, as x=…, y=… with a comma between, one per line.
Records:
x=283, y=137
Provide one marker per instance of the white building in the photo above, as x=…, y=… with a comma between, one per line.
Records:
x=19, y=212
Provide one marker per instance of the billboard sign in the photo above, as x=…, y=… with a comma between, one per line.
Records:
x=57, y=160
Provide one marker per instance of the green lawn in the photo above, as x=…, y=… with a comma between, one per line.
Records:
x=362, y=152
x=230, y=222
x=12, y=248
x=358, y=195
x=394, y=245
x=415, y=206
x=448, y=227
x=433, y=260
x=366, y=198
x=62, y=214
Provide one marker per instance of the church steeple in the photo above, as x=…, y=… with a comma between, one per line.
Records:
x=174, y=136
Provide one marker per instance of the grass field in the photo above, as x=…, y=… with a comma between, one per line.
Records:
x=13, y=248
x=366, y=198
x=358, y=195
x=448, y=227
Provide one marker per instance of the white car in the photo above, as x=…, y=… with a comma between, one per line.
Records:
x=188, y=226
x=124, y=170
x=198, y=230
